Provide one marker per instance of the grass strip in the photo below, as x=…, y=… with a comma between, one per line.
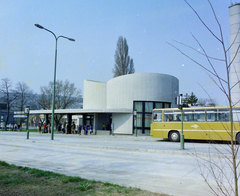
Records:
x=25, y=181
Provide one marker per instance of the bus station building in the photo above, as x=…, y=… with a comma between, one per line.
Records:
x=115, y=101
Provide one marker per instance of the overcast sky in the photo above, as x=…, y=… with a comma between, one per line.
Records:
x=27, y=52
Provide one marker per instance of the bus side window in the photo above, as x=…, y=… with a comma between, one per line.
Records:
x=236, y=115
x=212, y=115
x=157, y=117
x=170, y=118
x=223, y=115
x=166, y=117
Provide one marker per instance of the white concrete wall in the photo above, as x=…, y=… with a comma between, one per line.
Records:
x=120, y=92
x=122, y=123
x=234, y=18
x=94, y=95
x=123, y=90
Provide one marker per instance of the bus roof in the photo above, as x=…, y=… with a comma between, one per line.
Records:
x=198, y=108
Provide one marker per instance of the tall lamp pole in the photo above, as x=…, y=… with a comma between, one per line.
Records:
x=54, y=80
x=27, y=111
x=180, y=106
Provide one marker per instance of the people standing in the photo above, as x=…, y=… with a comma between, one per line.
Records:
x=66, y=127
x=59, y=128
x=103, y=126
x=49, y=128
x=44, y=128
x=90, y=129
x=108, y=127
x=86, y=129
x=15, y=127
x=79, y=129
x=63, y=128
x=73, y=128
x=39, y=128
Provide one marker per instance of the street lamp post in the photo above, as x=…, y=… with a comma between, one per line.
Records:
x=135, y=119
x=54, y=80
x=180, y=106
x=27, y=111
x=1, y=123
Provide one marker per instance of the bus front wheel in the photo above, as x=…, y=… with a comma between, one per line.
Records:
x=174, y=136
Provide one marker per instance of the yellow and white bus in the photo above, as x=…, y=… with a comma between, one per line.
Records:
x=199, y=123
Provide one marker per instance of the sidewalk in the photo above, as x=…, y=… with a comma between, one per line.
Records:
x=119, y=142
x=144, y=162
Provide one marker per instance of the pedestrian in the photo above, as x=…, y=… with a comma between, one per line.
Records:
x=44, y=128
x=66, y=128
x=86, y=129
x=63, y=128
x=39, y=128
x=15, y=127
x=49, y=128
x=103, y=126
x=73, y=128
x=59, y=128
x=108, y=127
x=79, y=129
x=90, y=129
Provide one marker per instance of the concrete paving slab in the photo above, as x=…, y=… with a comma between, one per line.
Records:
x=143, y=162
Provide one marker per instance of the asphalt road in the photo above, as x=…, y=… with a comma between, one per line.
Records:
x=144, y=162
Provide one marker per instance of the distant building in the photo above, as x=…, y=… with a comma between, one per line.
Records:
x=234, y=18
x=3, y=114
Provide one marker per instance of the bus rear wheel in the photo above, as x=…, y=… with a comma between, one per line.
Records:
x=174, y=136
x=238, y=138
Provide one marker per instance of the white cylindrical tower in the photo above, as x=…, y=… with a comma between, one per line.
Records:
x=234, y=18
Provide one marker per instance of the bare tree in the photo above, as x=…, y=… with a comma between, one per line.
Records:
x=66, y=95
x=123, y=64
x=25, y=96
x=8, y=96
x=206, y=102
x=219, y=169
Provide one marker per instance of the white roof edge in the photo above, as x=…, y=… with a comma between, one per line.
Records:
x=81, y=111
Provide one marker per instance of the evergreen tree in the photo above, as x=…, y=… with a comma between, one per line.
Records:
x=190, y=99
x=123, y=64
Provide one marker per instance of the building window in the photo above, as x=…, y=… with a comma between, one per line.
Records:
x=158, y=105
x=148, y=106
x=144, y=114
x=167, y=105
x=148, y=120
x=3, y=106
x=139, y=120
x=138, y=106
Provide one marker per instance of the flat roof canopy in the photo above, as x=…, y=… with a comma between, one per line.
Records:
x=80, y=111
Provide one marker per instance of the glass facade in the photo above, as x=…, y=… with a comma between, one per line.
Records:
x=148, y=106
x=144, y=114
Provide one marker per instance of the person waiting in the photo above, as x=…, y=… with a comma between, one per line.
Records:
x=73, y=128
x=79, y=129
x=63, y=128
x=103, y=126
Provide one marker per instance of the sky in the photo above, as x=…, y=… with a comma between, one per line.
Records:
x=27, y=53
